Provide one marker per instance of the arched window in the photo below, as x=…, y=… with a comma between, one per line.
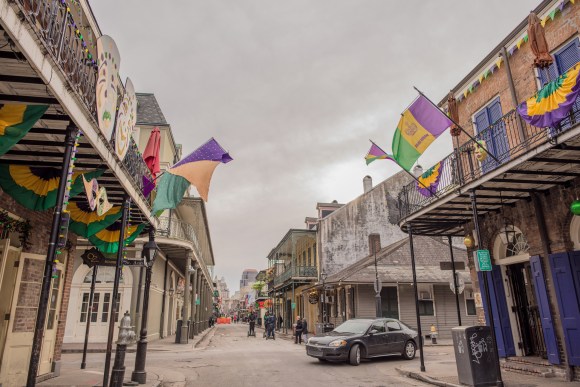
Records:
x=105, y=275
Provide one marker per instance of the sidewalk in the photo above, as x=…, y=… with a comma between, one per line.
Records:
x=72, y=375
x=441, y=370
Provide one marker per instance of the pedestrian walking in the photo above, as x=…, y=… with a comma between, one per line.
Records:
x=298, y=331
x=305, y=330
x=252, y=320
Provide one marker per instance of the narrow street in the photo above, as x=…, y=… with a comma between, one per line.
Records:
x=230, y=358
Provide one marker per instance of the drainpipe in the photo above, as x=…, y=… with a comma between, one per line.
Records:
x=162, y=324
x=514, y=96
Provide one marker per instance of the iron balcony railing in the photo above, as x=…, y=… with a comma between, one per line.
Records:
x=296, y=272
x=60, y=26
x=507, y=138
x=177, y=229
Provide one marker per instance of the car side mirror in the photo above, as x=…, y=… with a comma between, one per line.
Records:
x=373, y=331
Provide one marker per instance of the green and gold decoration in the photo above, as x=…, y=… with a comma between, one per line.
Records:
x=85, y=222
x=107, y=240
x=36, y=187
x=15, y=121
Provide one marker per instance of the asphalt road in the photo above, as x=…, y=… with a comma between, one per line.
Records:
x=230, y=358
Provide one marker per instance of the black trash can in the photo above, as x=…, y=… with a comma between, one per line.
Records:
x=475, y=355
x=328, y=327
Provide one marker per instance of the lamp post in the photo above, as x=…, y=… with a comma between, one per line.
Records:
x=375, y=245
x=323, y=278
x=149, y=254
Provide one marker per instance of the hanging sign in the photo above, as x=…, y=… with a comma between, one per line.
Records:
x=109, y=61
x=483, y=261
x=94, y=257
x=313, y=298
x=126, y=120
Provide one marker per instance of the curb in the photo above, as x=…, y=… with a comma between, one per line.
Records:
x=424, y=378
x=211, y=330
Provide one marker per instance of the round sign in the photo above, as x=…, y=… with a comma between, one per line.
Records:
x=313, y=298
x=460, y=284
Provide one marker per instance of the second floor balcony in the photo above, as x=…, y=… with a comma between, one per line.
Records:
x=297, y=274
x=522, y=159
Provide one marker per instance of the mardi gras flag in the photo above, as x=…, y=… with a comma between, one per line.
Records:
x=418, y=127
x=86, y=222
x=16, y=121
x=107, y=240
x=36, y=187
x=428, y=182
x=376, y=153
x=197, y=169
x=554, y=101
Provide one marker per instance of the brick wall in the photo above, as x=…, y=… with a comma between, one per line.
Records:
x=564, y=26
x=33, y=270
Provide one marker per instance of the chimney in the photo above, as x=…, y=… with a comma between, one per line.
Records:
x=367, y=183
x=418, y=170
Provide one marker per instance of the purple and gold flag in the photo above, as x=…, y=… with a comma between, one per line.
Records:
x=419, y=126
x=376, y=153
x=197, y=169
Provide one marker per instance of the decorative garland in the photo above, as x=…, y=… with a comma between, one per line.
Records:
x=12, y=225
x=511, y=51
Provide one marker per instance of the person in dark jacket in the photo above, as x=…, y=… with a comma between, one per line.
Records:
x=252, y=320
x=298, y=331
x=305, y=329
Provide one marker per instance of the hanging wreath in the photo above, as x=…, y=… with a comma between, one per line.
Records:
x=8, y=225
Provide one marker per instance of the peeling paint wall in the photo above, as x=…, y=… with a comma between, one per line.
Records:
x=343, y=235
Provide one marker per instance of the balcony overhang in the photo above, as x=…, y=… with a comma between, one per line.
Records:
x=554, y=163
x=28, y=74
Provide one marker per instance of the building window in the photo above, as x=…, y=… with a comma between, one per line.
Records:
x=491, y=129
x=469, y=302
x=426, y=303
x=310, y=256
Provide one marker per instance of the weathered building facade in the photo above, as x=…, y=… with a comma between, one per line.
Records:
x=521, y=189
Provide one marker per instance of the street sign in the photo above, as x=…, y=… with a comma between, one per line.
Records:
x=293, y=305
x=133, y=262
x=447, y=265
x=483, y=260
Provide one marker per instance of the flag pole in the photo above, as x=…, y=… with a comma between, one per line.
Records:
x=409, y=173
x=459, y=126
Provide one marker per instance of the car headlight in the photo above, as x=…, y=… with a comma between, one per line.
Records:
x=337, y=343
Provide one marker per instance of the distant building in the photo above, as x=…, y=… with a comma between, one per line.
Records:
x=248, y=276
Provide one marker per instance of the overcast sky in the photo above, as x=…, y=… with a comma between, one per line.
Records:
x=294, y=90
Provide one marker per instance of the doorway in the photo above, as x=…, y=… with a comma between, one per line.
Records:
x=526, y=310
x=389, y=302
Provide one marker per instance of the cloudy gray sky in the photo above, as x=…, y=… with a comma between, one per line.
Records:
x=294, y=89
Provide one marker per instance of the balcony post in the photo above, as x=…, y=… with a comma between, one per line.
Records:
x=89, y=315
x=193, y=294
x=185, y=310
x=416, y=291
x=473, y=197
x=71, y=133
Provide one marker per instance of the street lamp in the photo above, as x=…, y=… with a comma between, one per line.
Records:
x=148, y=254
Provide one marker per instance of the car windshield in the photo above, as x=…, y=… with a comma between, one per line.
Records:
x=353, y=326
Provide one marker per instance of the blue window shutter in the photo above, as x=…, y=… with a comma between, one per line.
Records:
x=568, y=57
x=494, y=111
x=504, y=318
x=567, y=297
x=552, y=71
x=481, y=120
x=544, y=308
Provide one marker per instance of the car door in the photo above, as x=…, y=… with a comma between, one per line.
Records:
x=395, y=337
x=377, y=339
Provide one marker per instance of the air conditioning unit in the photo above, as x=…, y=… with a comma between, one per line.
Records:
x=424, y=295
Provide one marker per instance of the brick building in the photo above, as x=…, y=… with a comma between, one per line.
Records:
x=522, y=189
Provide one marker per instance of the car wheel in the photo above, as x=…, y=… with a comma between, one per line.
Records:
x=409, y=351
x=354, y=355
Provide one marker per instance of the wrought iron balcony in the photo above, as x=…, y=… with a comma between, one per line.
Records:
x=177, y=229
x=297, y=272
x=65, y=32
x=507, y=139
